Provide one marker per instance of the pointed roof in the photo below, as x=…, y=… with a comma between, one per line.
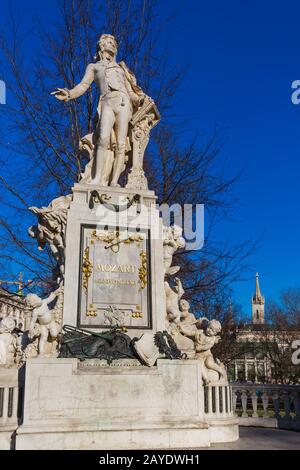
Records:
x=258, y=297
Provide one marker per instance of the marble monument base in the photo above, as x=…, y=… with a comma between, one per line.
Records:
x=89, y=405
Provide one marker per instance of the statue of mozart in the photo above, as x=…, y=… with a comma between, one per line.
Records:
x=120, y=99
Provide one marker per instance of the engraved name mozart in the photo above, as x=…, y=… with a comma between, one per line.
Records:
x=115, y=268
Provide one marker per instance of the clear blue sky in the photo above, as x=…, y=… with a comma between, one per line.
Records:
x=241, y=58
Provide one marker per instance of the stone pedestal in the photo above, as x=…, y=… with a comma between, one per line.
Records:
x=73, y=405
x=114, y=256
x=114, y=276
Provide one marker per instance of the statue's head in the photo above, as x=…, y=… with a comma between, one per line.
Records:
x=177, y=235
x=184, y=305
x=107, y=43
x=214, y=327
x=33, y=300
x=7, y=325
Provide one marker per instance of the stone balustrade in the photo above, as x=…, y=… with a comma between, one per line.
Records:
x=11, y=402
x=218, y=410
x=267, y=405
x=218, y=401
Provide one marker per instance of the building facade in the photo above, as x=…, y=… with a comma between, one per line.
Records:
x=262, y=353
x=13, y=305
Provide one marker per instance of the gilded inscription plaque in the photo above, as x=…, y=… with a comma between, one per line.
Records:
x=115, y=278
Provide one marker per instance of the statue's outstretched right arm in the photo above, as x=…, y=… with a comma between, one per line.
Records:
x=63, y=94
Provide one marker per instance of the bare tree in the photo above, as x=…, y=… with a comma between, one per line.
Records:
x=283, y=318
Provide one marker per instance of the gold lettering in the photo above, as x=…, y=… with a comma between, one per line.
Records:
x=116, y=282
x=115, y=268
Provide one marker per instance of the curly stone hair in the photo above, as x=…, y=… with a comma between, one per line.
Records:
x=215, y=326
x=100, y=43
x=7, y=325
x=33, y=300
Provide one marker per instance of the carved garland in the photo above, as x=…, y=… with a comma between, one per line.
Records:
x=113, y=239
x=95, y=197
x=143, y=270
x=87, y=267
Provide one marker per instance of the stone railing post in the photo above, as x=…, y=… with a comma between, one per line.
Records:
x=287, y=405
x=254, y=403
x=244, y=404
x=234, y=399
x=276, y=404
x=265, y=403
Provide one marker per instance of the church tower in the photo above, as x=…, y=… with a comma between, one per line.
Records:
x=258, y=305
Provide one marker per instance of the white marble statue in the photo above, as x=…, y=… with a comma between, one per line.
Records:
x=120, y=99
x=51, y=228
x=43, y=323
x=205, y=336
x=172, y=241
x=8, y=341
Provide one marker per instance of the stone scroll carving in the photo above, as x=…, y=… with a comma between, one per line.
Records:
x=141, y=124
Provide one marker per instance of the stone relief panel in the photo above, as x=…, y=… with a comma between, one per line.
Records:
x=115, y=278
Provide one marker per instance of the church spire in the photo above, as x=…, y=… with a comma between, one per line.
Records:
x=257, y=295
x=258, y=304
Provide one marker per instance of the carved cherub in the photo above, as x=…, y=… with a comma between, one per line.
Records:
x=173, y=296
x=51, y=228
x=172, y=242
x=205, y=334
x=205, y=337
x=43, y=323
